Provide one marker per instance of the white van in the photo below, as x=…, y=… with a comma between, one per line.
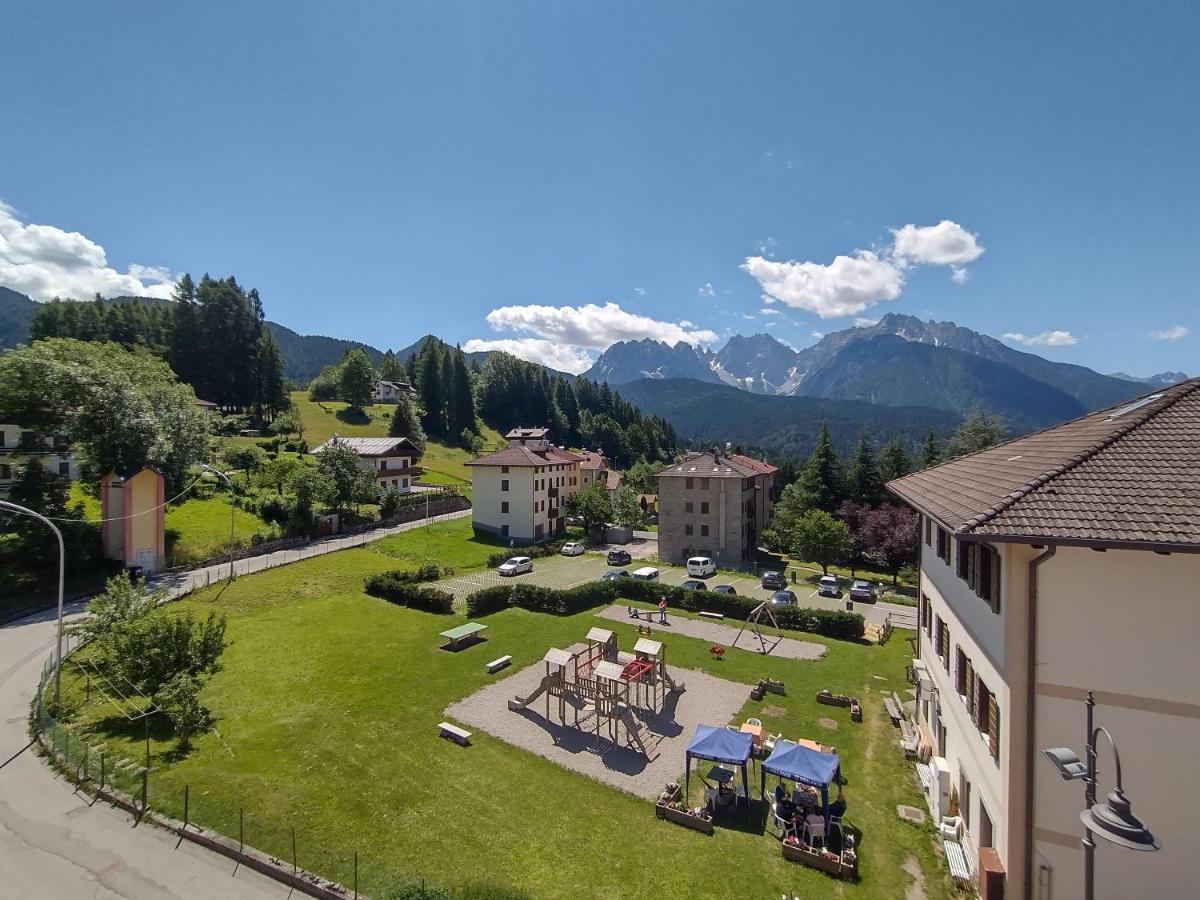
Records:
x=701, y=567
x=646, y=573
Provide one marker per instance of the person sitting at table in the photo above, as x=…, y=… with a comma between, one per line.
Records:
x=837, y=808
x=784, y=808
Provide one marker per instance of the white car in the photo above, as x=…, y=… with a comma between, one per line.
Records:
x=828, y=586
x=701, y=567
x=572, y=548
x=646, y=573
x=516, y=566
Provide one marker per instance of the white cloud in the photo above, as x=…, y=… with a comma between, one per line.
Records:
x=944, y=244
x=768, y=311
x=850, y=284
x=535, y=350
x=641, y=291
x=1045, y=339
x=864, y=322
x=749, y=318
x=959, y=275
x=846, y=286
x=1174, y=333
x=816, y=335
x=707, y=290
x=766, y=247
x=46, y=262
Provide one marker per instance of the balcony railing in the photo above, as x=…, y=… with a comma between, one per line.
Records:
x=552, y=493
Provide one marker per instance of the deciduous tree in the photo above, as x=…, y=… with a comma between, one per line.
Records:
x=356, y=379
x=819, y=537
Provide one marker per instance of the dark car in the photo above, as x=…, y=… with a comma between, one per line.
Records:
x=775, y=581
x=724, y=589
x=619, y=558
x=783, y=598
x=693, y=584
x=614, y=575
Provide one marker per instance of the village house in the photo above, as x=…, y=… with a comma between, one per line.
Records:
x=20, y=445
x=391, y=391
x=520, y=492
x=1059, y=563
x=392, y=460
x=714, y=504
x=593, y=467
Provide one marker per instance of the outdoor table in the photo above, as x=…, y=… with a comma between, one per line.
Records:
x=754, y=731
x=811, y=745
x=724, y=778
x=805, y=798
x=456, y=636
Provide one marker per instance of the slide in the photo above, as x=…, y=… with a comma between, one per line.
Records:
x=633, y=728
x=522, y=702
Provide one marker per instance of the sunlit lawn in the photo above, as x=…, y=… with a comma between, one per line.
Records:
x=326, y=714
x=199, y=528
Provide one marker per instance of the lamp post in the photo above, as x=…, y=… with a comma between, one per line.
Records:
x=232, y=511
x=62, y=562
x=1112, y=820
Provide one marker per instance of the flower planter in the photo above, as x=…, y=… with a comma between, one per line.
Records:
x=815, y=859
x=683, y=817
x=833, y=699
x=855, y=710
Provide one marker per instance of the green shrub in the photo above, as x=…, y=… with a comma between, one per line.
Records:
x=402, y=588
x=416, y=889
x=379, y=584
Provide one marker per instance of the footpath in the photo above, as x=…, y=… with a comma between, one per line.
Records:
x=55, y=842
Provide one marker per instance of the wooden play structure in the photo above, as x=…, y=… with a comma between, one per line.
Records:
x=605, y=685
x=753, y=622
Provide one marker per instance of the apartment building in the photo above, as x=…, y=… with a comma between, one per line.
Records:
x=520, y=492
x=593, y=468
x=19, y=445
x=392, y=460
x=714, y=504
x=1055, y=564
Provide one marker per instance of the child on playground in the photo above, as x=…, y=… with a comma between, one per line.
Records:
x=633, y=612
x=662, y=609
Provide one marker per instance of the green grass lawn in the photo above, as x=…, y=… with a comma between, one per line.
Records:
x=451, y=543
x=325, y=715
x=199, y=528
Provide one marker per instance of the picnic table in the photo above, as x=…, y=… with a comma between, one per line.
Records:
x=755, y=731
x=455, y=637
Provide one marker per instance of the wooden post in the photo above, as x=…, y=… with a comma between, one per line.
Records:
x=241, y=829
x=355, y=875
x=186, y=798
x=294, y=866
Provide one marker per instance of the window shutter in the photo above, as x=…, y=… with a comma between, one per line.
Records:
x=963, y=553
x=993, y=713
x=960, y=669
x=995, y=581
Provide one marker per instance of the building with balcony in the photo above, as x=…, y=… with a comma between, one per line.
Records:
x=1063, y=562
x=520, y=492
x=392, y=461
x=714, y=504
x=19, y=445
x=391, y=391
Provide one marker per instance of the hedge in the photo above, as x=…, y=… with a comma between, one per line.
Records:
x=376, y=585
x=401, y=587
x=832, y=623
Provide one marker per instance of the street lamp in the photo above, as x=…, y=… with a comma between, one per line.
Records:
x=62, y=561
x=1113, y=820
x=232, y=511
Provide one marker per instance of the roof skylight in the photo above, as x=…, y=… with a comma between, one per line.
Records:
x=1137, y=404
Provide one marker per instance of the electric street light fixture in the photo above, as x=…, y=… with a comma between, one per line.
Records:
x=1113, y=820
x=232, y=510
x=62, y=563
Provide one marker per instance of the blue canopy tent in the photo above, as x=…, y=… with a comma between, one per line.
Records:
x=793, y=762
x=719, y=744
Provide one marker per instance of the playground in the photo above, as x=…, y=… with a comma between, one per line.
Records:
x=603, y=712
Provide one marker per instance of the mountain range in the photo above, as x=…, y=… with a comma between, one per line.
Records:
x=898, y=361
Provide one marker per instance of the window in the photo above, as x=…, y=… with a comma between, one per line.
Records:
x=943, y=545
x=504, y=506
x=688, y=507
x=926, y=615
x=2, y=444
x=960, y=670
x=704, y=484
x=5, y=473
x=64, y=469
x=687, y=529
x=704, y=508
x=703, y=531
x=504, y=470
x=993, y=726
x=504, y=484
x=503, y=531
x=687, y=484
x=979, y=566
x=943, y=643
x=383, y=465
x=928, y=531
x=405, y=482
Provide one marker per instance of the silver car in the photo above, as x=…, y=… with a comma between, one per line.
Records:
x=862, y=591
x=516, y=566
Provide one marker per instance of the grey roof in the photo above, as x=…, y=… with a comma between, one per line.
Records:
x=374, y=446
x=1129, y=474
x=709, y=465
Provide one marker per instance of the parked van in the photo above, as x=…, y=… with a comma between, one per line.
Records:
x=701, y=567
x=646, y=573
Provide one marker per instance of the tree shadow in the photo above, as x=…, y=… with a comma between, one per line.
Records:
x=353, y=416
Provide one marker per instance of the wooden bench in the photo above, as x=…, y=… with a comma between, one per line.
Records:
x=711, y=615
x=497, y=664
x=456, y=734
x=959, y=862
x=925, y=776
x=456, y=636
x=893, y=710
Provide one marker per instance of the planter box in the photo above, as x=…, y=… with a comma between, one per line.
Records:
x=855, y=711
x=683, y=818
x=801, y=854
x=775, y=687
x=833, y=699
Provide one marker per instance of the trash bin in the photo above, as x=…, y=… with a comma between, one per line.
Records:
x=850, y=605
x=793, y=576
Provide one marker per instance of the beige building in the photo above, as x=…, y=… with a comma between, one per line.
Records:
x=131, y=510
x=714, y=504
x=593, y=468
x=393, y=461
x=19, y=445
x=1058, y=563
x=520, y=492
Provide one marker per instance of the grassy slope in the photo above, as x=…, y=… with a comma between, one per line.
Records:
x=325, y=716
x=202, y=529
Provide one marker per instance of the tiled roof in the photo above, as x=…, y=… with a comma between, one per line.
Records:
x=374, y=446
x=520, y=455
x=529, y=433
x=758, y=465
x=613, y=479
x=1127, y=474
x=592, y=459
x=708, y=465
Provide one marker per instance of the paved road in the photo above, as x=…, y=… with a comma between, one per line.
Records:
x=53, y=844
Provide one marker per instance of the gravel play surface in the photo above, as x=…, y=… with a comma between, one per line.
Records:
x=788, y=648
x=707, y=699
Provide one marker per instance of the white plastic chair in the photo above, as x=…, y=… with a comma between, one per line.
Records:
x=769, y=743
x=813, y=832
x=753, y=721
x=951, y=828
x=785, y=827
x=712, y=798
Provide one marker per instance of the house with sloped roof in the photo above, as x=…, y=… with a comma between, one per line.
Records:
x=593, y=467
x=391, y=460
x=1057, y=564
x=520, y=492
x=391, y=391
x=714, y=504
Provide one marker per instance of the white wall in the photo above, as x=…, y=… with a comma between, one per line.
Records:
x=486, y=498
x=1123, y=624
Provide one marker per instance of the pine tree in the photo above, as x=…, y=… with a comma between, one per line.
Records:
x=820, y=482
x=272, y=389
x=978, y=431
x=406, y=423
x=863, y=482
x=931, y=450
x=894, y=461
x=390, y=368
x=429, y=368
x=462, y=423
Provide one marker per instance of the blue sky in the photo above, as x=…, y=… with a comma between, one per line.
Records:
x=563, y=175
